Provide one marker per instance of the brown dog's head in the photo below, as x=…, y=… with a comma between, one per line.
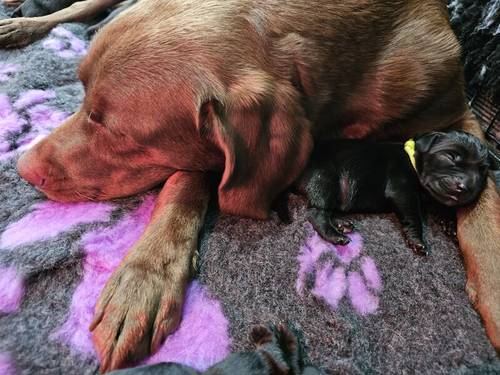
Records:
x=156, y=102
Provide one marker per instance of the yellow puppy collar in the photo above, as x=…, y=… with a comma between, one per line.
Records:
x=410, y=150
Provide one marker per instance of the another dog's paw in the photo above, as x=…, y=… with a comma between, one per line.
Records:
x=261, y=335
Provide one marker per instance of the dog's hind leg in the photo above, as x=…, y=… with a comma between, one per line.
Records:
x=19, y=32
x=479, y=238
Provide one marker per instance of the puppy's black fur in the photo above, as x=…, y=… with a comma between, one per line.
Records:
x=279, y=351
x=364, y=176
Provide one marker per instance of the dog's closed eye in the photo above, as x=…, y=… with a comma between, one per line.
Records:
x=95, y=117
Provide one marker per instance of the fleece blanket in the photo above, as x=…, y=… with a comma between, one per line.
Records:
x=369, y=307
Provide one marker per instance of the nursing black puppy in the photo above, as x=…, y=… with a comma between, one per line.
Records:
x=278, y=351
x=449, y=169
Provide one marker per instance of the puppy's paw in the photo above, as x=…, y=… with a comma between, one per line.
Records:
x=449, y=227
x=261, y=335
x=342, y=226
x=418, y=246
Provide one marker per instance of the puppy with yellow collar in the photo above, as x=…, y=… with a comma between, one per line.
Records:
x=449, y=169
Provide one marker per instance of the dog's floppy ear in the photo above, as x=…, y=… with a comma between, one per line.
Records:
x=424, y=142
x=266, y=141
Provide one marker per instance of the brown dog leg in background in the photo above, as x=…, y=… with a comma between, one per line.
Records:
x=479, y=237
x=19, y=32
x=142, y=301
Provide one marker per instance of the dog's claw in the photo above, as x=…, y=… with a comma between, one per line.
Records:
x=450, y=228
x=418, y=248
x=342, y=226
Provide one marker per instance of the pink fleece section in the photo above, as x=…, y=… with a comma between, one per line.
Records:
x=315, y=246
x=7, y=366
x=10, y=122
x=371, y=274
x=308, y=256
x=363, y=301
x=48, y=219
x=11, y=290
x=202, y=338
x=32, y=97
x=44, y=120
x=351, y=251
x=330, y=282
x=330, y=285
x=65, y=43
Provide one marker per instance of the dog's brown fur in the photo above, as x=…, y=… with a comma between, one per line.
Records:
x=242, y=87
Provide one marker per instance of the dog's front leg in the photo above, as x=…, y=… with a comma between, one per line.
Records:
x=142, y=301
x=408, y=207
x=19, y=32
x=478, y=229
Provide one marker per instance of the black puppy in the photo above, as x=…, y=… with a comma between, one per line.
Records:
x=279, y=351
x=363, y=176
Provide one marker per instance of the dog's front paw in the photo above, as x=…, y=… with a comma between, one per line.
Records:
x=137, y=309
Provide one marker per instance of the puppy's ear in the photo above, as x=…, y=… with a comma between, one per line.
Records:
x=266, y=141
x=424, y=142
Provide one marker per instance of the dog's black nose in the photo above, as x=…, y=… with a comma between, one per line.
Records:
x=460, y=187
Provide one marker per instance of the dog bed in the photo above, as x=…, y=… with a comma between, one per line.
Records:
x=369, y=307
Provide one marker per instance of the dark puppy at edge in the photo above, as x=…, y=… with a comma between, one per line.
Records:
x=450, y=169
x=278, y=350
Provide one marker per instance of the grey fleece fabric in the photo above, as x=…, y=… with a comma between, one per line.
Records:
x=424, y=322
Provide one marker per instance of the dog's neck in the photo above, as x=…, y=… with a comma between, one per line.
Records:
x=410, y=150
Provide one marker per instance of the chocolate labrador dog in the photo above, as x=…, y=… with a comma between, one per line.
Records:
x=175, y=89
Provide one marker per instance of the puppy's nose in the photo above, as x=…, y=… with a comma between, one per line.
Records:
x=29, y=170
x=460, y=187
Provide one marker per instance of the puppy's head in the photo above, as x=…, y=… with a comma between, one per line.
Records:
x=452, y=166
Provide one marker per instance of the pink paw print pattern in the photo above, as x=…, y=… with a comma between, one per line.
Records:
x=7, y=365
x=7, y=70
x=65, y=44
x=27, y=112
x=333, y=272
x=201, y=340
